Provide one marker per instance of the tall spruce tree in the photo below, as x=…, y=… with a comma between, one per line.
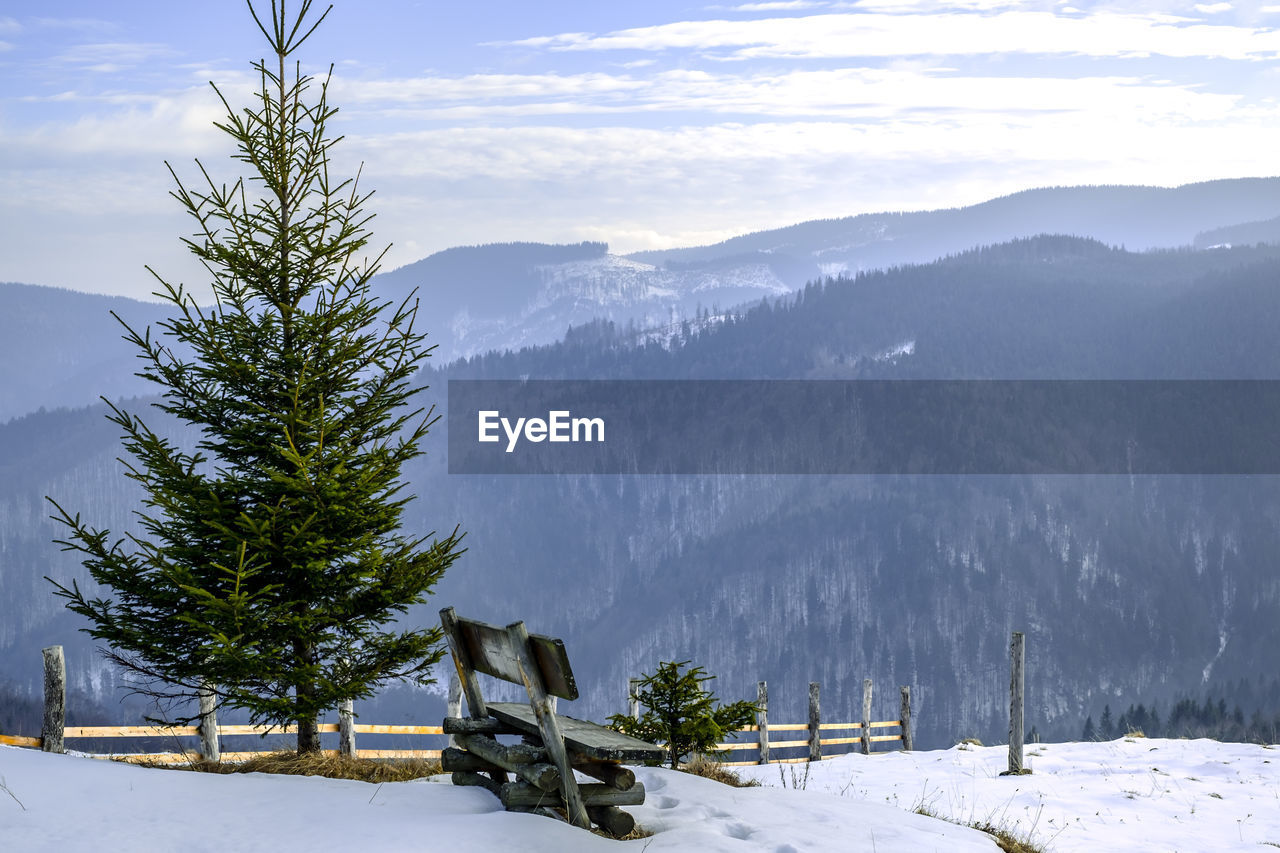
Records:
x=271, y=563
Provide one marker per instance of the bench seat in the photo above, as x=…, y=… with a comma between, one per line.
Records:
x=580, y=736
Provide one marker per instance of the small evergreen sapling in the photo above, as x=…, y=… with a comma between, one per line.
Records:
x=681, y=714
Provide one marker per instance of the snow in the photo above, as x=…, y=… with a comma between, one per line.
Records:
x=1129, y=794
x=1133, y=794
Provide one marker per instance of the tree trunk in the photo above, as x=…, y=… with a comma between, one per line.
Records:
x=308, y=736
x=305, y=690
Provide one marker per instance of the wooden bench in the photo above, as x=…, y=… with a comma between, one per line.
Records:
x=554, y=745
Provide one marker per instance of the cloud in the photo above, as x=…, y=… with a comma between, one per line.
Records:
x=885, y=35
x=479, y=87
x=777, y=6
x=646, y=149
x=9, y=25
x=114, y=55
x=84, y=24
x=931, y=5
x=861, y=94
x=130, y=127
x=1212, y=8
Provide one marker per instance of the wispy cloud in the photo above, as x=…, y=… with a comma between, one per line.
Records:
x=481, y=87
x=933, y=6
x=777, y=6
x=833, y=36
x=114, y=55
x=83, y=24
x=850, y=93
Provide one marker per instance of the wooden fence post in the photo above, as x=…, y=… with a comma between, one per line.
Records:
x=633, y=698
x=1017, y=659
x=454, y=707
x=209, y=748
x=55, y=700
x=347, y=728
x=815, y=724
x=904, y=720
x=762, y=720
x=866, y=716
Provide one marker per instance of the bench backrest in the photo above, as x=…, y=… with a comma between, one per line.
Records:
x=490, y=651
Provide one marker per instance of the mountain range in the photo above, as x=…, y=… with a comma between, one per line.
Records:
x=795, y=579
x=60, y=348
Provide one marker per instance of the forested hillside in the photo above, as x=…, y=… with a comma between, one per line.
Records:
x=791, y=579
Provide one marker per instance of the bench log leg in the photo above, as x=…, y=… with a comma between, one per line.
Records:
x=612, y=820
x=552, y=740
x=524, y=794
x=545, y=776
x=466, y=777
x=613, y=775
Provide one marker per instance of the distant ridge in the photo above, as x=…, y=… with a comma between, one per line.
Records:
x=1137, y=217
x=61, y=348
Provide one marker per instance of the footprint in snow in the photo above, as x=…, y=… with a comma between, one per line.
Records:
x=666, y=802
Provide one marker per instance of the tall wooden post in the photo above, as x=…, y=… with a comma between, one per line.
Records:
x=815, y=724
x=347, y=728
x=210, y=750
x=904, y=718
x=633, y=698
x=454, y=706
x=762, y=719
x=55, y=700
x=1017, y=659
x=866, y=716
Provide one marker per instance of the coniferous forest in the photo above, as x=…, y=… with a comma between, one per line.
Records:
x=906, y=580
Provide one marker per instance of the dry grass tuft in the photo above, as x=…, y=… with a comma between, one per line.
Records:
x=709, y=768
x=1006, y=839
x=328, y=764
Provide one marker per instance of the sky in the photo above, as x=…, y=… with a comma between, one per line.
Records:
x=642, y=124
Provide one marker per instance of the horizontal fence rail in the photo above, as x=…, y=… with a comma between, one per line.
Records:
x=55, y=732
x=95, y=732
x=736, y=746
x=814, y=741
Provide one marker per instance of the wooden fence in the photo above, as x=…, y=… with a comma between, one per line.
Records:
x=815, y=728
x=54, y=732
x=86, y=732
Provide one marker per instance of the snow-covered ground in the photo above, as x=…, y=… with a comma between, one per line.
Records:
x=1158, y=795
